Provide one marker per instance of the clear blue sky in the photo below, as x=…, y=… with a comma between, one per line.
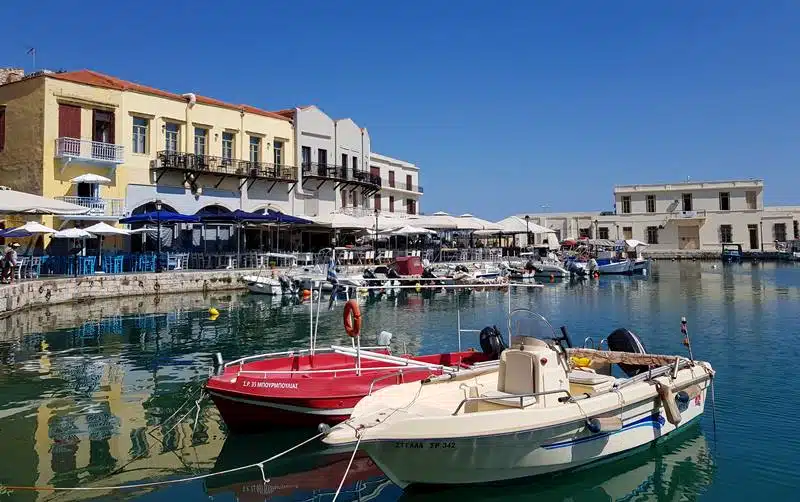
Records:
x=506, y=106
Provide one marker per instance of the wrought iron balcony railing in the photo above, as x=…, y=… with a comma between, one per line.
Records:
x=225, y=166
x=89, y=151
x=97, y=206
x=339, y=173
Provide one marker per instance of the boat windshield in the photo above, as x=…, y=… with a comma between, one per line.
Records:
x=526, y=322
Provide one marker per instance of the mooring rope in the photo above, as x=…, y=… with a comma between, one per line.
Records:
x=259, y=464
x=349, y=465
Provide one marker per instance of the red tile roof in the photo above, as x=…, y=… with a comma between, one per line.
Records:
x=93, y=78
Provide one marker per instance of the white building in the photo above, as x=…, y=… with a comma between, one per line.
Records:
x=400, y=190
x=684, y=216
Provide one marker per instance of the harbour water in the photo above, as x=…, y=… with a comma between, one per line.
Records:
x=87, y=392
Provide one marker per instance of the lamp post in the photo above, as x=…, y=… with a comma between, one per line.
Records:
x=375, y=237
x=158, y=220
x=595, y=230
x=527, y=230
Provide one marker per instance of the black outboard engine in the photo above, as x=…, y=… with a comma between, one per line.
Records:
x=427, y=273
x=492, y=342
x=529, y=266
x=461, y=268
x=623, y=340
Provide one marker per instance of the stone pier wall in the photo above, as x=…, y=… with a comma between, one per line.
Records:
x=39, y=293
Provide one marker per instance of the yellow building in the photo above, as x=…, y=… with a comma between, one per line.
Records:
x=116, y=147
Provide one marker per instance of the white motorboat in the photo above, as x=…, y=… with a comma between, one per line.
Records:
x=545, y=409
x=263, y=285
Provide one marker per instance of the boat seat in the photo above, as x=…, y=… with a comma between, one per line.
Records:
x=588, y=382
x=515, y=377
x=507, y=399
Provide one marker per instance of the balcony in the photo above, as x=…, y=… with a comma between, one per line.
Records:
x=193, y=166
x=404, y=186
x=98, y=208
x=341, y=176
x=89, y=151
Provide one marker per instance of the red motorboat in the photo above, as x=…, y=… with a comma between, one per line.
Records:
x=309, y=387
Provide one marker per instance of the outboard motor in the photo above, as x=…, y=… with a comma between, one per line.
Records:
x=461, y=268
x=529, y=266
x=623, y=340
x=492, y=342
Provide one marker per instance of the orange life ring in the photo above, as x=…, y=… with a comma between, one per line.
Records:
x=352, y=318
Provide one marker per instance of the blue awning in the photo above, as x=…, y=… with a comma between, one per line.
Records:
x=237, y=216
x=288, y=219
x=161, y=216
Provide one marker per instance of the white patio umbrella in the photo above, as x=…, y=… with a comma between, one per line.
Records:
x=438, y=220
x=73, y=233
x=90, y=178
x=14, y=202
x=104, y=229
x=30, y=228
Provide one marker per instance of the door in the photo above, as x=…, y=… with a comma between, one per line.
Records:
x=408, y=182
x=391, y=179
x=375, y=173
x=753, y=231
x=688, y=237
x=102, y=135
x=69, y=126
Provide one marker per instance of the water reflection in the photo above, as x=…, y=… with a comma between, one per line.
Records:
x=87, y=390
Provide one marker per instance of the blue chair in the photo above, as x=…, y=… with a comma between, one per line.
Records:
x=119, y=264
x=87, y=264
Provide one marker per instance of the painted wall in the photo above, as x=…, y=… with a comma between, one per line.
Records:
x=21, y=159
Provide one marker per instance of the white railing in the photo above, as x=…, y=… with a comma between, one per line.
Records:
x=97, y=206
x=85, y=149
x=692, y=214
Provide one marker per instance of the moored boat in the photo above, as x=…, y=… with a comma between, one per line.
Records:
x=546, y=408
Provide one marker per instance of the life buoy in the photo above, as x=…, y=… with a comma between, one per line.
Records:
x=352, y=318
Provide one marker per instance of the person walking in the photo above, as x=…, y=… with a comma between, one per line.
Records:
x=9, y=263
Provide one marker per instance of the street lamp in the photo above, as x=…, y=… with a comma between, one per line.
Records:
x=375, y=237
x=527, y=231
x=158, y=220
x=595, y=230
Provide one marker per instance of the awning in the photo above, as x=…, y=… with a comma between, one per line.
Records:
x=90, y=178
x=160, y=216
x=341, y=220
x=237, y=216
x=288, y=219
x=439, y=221
x=409, y=230
x=470, y=222
x=14, y=202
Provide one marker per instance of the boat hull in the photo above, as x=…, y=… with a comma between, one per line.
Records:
x=304, y=390
x=457, y=461
x=616, y=268
x=261, y=288
x=641, y=267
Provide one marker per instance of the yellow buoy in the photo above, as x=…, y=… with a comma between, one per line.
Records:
x=214, y=312
x=418, y=287
x=44, y=345
x=581, y=362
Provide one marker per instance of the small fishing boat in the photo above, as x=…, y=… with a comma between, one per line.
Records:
x=731, y=253
x=310, y=386
x=269, y=284
x=546, y=408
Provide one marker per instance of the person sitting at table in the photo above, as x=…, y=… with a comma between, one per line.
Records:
x=9, y=263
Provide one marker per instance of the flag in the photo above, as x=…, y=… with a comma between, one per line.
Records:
x=31, y=51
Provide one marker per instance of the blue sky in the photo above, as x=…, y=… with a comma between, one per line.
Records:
x=506, y=106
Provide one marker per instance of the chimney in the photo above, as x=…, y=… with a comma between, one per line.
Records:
x=8, y=75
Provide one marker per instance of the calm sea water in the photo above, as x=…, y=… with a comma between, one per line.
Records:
x=86, y=390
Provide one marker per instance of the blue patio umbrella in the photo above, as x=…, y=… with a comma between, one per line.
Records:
x=238, y=216
x=289, y=219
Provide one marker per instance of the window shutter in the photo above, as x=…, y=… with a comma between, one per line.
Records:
x=69, y=121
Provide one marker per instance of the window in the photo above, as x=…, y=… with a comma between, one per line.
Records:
x=725, y=234
x=408, y=182
x=585, y=233
x=391, y=203
x=412, y=206
x=255, y=149
x=751, y=200
x=200, y=141
x=652, y=235
x=306, y=156
x=277, y=152
x=140, y=135
x=651, y=203
x=344, y=162
x=227, y=145
x=355, y=163
x=602, y=233
x=779, y=232
x=626, y=204
x=391, y=179
x=171, y=136
x=687, y=201
x=378, y=202
x=796, y=229
x=627, y=233
x=2, y=128
x=724, y=201
x=322, y=157
x=69, y=121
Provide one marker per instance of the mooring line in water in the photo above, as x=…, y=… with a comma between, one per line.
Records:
x=260, y=465
x=347, y=471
